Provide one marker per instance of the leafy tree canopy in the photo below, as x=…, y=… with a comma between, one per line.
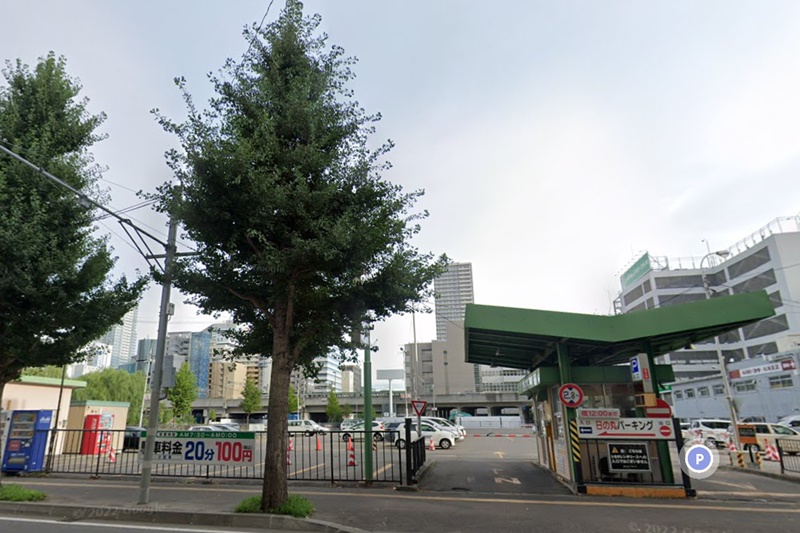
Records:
x=55, y=292
x=183, y=394
x=251, y=398
x=298, y=235
x=334, y=410
x=113, y=385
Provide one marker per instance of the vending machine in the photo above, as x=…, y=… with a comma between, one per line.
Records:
x=97, y=434
x=26, y=443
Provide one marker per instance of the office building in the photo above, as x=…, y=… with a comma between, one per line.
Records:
x=454, y=291
x=122, y=339
x=767, y=259
x=351, y=377
x=329, y=376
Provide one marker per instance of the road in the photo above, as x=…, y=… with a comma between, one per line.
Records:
x=482, y=484
x=36, y=525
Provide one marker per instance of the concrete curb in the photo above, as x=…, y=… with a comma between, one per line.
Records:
x=772, y=475
x=147, y=514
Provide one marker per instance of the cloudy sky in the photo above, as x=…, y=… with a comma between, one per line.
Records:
x=556, y=141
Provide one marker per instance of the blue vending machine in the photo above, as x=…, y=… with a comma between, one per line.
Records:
x=27, y=441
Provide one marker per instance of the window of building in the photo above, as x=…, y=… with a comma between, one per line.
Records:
x=781, y=382
x=745, y=386
x=678, y=395
x=719, y=390
x=703, y=392
x=690, y=393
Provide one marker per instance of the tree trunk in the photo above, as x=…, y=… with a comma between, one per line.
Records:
x=2, y=388
x=275, y=491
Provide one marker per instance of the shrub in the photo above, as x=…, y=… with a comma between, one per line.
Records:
x=16, y=493
x=296, y=506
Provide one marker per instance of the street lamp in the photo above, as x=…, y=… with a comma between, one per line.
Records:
x=722, y=364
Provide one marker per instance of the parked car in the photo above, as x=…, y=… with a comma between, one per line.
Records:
x=357, y=430
x=769, y=433
x=208, y=428
x=442, y=438
x=791, y=421
x=713, y=432
x=131, y=441
x=307, y=427
x=226, y=427
x=460, y=431
x=349, y=423
x=686, y=430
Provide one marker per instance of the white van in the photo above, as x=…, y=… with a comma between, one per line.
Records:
x=713, y=432
x=309, y=427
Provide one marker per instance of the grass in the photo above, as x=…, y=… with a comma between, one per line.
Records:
x=16, y=493
x=296, y=506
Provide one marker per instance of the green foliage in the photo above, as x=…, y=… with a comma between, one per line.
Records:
x=298, y=236
x=112, y=385
x=212, y=415
x=251, y=398
x=55, y=292
x=294, y=402
x=334, y=410
x=347, y=411
x=183, y=394
x=17, y=493
x=48, y=371
x=296, y=506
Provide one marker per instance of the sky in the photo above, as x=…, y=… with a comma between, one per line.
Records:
x=555, y=141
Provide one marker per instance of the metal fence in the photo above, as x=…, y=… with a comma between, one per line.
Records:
x=789, y=453
x=332, y=456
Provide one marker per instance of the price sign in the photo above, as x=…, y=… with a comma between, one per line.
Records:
x=231, y=448
x=570, y=395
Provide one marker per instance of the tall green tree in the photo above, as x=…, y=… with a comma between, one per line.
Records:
x=298, y=236
x=251, y=398
x=113, y=385
x=333, y=409
x=56, y=294
x=183, y=394
x=48, y=371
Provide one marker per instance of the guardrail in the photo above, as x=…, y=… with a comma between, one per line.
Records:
x=789, y=453
x=331, y=456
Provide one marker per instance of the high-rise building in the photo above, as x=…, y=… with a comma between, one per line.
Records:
x=178, y=348
x=329, y=376
x=767, y=260
x=122, y=339
x=145, y=354
x=351, y=377
x=454, y=290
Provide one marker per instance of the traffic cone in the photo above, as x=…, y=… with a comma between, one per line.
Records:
x=352, y=453
x=112, y=455
x=772, y=453
x=431, y=446
x=731, y=446
x=288, y=457
x=291, y=445
x=319, y=444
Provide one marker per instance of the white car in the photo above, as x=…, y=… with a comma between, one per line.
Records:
x=767, y=434
x=712, y=432
x=442, y=438
x=307, y=427
x=460, y=431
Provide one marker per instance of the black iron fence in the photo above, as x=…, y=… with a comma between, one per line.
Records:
x=332, y=456
x=789, y=453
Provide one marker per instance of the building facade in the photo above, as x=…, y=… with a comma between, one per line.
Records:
x=122, y=339
x=768, y=259
x=351, y=377
x=454, y=290
x=764, y=389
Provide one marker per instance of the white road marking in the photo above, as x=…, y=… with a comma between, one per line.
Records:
x=499, y=454
x=117, y=526
x=512, y=480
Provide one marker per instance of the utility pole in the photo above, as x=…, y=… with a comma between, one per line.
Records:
x=368, y=412
x=155, y=391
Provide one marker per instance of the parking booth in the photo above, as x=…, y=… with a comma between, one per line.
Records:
x=594, y=385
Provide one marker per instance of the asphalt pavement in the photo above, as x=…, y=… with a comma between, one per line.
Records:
x=482, y=484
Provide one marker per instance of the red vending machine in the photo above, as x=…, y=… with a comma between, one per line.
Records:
x=96, y=434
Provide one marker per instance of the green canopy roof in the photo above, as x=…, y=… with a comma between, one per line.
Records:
x=527, y=338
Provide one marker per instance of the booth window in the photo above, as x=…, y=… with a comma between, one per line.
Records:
x=690, y=393
x=719, y=390
x=703, y=392
x=678, y=395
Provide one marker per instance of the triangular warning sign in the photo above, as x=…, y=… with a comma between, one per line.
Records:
x=614, y=450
